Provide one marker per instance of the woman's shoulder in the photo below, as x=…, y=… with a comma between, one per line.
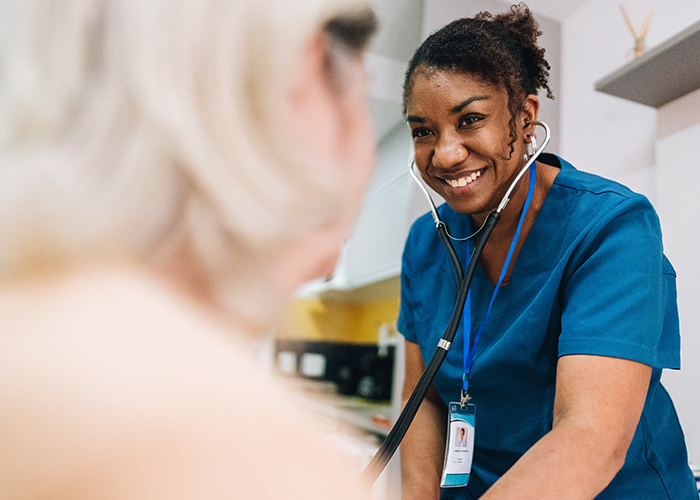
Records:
x=593, y=200
x=113, y=380
x=586, y=182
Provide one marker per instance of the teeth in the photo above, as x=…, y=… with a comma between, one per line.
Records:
x=463, y=181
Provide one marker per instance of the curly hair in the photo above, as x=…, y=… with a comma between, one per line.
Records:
x=501, y=50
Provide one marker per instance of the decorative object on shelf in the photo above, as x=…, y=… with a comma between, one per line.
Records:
x=657, y=78
x=640, y=35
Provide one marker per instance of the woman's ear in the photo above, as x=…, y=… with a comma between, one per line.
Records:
x=531, y=108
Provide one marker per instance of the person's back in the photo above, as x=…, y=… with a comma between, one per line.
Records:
x=112, y=386
x=155, y=217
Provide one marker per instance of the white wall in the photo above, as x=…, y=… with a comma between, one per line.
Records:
x=618, y=139
x=600, y=133
x=399, y=35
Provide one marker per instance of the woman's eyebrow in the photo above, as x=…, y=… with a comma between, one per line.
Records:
x=464, y=104
x=457, y=109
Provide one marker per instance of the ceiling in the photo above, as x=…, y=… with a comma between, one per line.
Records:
x=555, y=9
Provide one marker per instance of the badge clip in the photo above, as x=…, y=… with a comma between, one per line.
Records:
x=464, y=399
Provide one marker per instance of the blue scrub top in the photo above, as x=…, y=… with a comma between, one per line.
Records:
x=591, y=278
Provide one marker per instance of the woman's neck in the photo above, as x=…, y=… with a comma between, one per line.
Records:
x=496, y=249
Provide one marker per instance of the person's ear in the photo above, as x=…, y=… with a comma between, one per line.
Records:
x=530, y=111
x=310, y=96
x=329, y=123
x=327, y=100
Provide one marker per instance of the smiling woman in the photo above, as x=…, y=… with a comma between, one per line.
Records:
x=565, y=374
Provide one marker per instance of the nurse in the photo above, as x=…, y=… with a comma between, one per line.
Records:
x=566, y=373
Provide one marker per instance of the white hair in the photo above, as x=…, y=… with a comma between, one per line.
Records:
x=129, y=126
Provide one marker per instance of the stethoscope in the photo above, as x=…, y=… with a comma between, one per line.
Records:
x=393, y=439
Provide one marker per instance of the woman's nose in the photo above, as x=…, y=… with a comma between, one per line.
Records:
x=449, y=151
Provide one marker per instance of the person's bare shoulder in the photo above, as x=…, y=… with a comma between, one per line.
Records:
x=113, y=387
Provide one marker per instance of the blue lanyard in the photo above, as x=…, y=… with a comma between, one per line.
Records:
x=467, y=316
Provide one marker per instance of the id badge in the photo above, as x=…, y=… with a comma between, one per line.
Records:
x=459, y=447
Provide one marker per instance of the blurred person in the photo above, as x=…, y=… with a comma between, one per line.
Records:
x=170, y=171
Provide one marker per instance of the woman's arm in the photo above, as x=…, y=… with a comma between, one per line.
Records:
x=597, y=407
x=423, y=448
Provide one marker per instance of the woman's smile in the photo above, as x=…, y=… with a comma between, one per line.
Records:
x=464, y=180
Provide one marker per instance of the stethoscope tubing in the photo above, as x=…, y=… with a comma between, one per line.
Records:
x=464, y=278
x=454, y=258
x=398, y=431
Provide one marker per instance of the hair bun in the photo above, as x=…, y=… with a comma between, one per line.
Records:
x=522, y=26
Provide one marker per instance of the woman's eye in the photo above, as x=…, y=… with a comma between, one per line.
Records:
x=465, y=121
x=420, y=132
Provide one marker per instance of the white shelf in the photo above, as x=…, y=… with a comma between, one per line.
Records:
x=660, y=75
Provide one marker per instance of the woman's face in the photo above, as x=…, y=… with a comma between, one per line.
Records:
x=461, y=136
